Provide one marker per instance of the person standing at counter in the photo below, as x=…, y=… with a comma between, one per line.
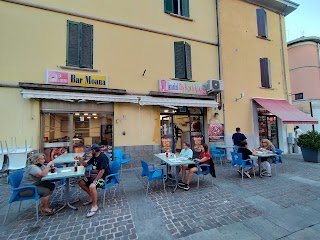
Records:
x=100, y=166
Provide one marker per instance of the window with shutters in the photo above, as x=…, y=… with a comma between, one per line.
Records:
x=182, y=60
x=178, y=7
x=262, y=23
x=79, y=45
x=265, y=73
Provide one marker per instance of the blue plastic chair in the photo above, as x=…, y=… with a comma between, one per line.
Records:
x=15, y=181
x=237, y=160
x=278, y=159
x=152, y=173
x=114, y=167
x=207, y=171
x=218, y=153
x=121, y=158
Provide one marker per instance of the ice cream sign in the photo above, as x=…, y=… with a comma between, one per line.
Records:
x=76, y=79
x=173, y=86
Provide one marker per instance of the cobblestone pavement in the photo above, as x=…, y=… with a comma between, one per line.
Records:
x=285, y=206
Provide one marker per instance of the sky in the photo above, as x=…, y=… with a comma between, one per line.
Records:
x=305, y=21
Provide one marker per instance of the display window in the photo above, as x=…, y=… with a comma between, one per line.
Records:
x=76, y=132
x=268, y=127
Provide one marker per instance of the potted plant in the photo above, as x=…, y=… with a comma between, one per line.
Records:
x=310, y=146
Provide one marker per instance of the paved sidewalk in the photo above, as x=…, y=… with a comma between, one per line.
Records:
x=285, y=206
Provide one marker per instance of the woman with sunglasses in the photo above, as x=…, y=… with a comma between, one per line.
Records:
x=267, y=146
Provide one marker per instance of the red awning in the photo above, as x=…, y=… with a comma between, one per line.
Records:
x=285, y=111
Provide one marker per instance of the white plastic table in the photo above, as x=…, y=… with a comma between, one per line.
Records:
x=174, y=162
x=67, y=158
x=67, y=173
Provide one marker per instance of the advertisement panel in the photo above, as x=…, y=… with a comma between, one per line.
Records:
x=216, y=132
x=173, y=86
x=56, y=77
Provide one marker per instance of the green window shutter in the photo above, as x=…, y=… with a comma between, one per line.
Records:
x=265, y=73
x=262, y=23
x=188, y=60
x=185, y=8
x=73, y=42
x=86, y=49
x=179, y=60
x=168, y=6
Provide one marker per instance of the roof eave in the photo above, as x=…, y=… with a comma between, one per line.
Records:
x=284, y=7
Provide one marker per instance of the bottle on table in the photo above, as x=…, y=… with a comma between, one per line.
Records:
x=75, y=166
x=52, y=169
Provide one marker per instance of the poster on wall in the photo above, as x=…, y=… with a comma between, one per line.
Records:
x=216, y=132
x=197, y=142
x=166, y=143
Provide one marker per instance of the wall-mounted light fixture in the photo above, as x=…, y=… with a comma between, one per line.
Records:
x=241, y=96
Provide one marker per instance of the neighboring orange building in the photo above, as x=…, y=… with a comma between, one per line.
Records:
x=304, y=67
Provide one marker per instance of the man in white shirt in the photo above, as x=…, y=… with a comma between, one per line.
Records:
x=297, y=133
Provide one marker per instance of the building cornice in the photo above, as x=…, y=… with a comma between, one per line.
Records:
x=284, y=7
x=304, y=39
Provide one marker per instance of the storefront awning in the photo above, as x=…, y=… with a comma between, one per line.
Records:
x=285, y=111
x=158, y=101
x=77, y=96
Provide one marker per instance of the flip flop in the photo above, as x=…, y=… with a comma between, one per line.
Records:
x=91, y=213
x=45, y=213
x=87, y=203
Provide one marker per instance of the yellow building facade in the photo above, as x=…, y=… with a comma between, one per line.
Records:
x=130, y=50
x=134, y=74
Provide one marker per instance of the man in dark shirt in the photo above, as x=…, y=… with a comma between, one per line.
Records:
x=100, y=169
x=238, y=137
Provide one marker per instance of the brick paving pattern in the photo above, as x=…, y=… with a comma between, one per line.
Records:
x=183, y=214
x=112, y=222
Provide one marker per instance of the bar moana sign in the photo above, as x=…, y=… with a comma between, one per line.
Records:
x=173, y=86
x=76, y=79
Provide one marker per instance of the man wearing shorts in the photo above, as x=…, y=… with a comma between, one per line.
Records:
x=100, y=169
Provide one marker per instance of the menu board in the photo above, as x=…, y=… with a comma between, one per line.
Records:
x=166, y=143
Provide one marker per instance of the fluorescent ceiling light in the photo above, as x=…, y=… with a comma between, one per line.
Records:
x=86, y=114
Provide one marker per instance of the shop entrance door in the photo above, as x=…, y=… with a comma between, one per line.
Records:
x=268, y=128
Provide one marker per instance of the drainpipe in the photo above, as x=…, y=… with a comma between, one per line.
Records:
x=283, y=60
x=221, y=96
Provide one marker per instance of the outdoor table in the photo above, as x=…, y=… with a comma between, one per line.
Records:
x=67, y=173
x=223, y=146
x=174, y=162
x=67, y=158
x=261, y=155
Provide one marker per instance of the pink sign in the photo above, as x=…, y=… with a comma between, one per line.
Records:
x=57, y=77
x=173, y=86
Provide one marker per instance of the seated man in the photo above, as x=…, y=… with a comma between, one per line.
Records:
x=246, y=155
x=100, y=169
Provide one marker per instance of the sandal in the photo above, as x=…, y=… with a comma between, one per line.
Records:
x=86, y=203
x=91, y=213
x=46, y=213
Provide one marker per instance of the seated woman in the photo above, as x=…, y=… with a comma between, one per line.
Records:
x=32, y=176
x=246, y=153
x=204, y=159
x=268, y=147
